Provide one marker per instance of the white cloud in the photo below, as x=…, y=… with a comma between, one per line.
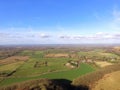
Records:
x=43, y=35
x=65, y=37
x=24, y=35
x=2, y=35
x=79, y=37
x=97, y=36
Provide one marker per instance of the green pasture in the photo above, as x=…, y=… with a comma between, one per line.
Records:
x=68, y=74
x=28, y=69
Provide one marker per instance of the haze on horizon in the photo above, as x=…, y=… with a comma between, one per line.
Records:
x=59, y=21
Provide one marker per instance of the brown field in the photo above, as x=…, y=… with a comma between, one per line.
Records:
x=57, y=55
x=102, y=63
x=117, y=48
x=13, y=59
x=109, y=82
x=11, y=67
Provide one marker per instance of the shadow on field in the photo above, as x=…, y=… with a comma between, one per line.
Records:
x=81, y=88
x=66, y=85
x=45, y=84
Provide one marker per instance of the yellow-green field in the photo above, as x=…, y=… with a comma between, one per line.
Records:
x=11, y=67
x=103, y=63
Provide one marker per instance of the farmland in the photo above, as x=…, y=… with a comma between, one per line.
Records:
x=51, y=62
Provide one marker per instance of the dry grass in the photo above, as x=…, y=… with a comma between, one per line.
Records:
x=13, y=59
x=109, y=82
x=117, y=48
x=11, y=67
x=102, y=63
x=57, y=55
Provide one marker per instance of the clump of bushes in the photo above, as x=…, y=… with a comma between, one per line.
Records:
x=39, y=64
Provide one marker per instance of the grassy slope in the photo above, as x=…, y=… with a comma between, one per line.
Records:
x=109, y=82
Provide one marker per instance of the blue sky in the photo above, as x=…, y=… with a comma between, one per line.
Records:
x=59, y=21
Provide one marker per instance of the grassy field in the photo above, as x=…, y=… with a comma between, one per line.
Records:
x=54, y=70
x=68, y=74
x=10, y=67
x=53, y=64
x=102, y=63
x=13, y=59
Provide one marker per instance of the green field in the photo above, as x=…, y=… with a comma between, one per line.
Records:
x=54, y=70
x=68, y=74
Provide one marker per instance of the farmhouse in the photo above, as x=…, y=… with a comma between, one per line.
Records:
x=72, y=64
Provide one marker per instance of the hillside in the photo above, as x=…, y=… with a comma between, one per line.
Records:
x=89, y=80
x=109, y=82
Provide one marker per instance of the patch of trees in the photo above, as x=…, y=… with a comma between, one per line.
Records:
x=8, y=52
x=41, y=84
x=3, y=74
x=114, y=51
x=39, y=64
x=6, y=74
x=44, y=84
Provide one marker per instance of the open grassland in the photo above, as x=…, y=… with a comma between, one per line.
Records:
x=117, y=48
x=109, y=82
x=68, y=74
x=53, y=64
x=53, y=55
x=55, y=69
x=10, y=67
x=102, y=63
x=98, y=54
x=13, y=59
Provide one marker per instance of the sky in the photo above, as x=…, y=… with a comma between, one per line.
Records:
x=59, y=22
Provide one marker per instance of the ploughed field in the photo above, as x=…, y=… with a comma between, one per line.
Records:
x=51, y=64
